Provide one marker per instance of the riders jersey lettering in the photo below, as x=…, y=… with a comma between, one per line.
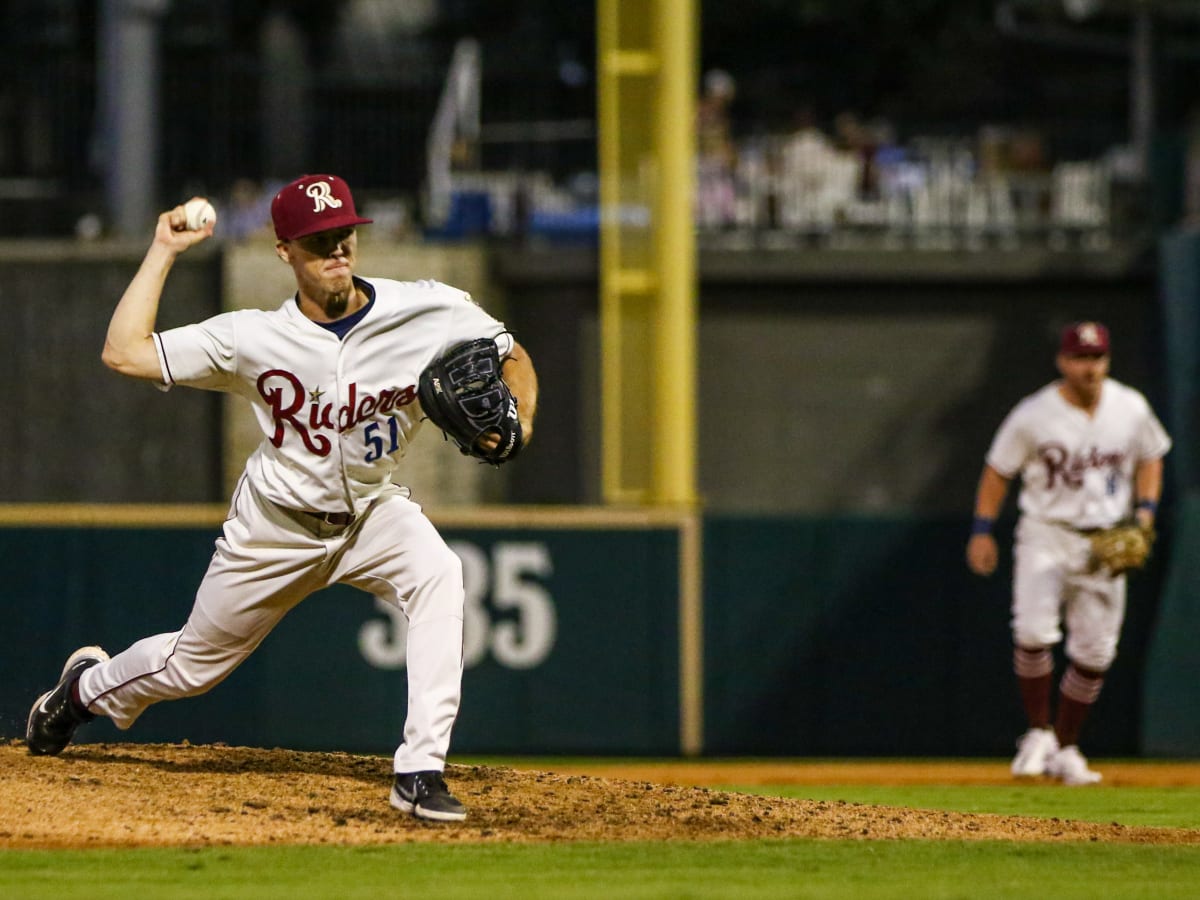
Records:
x=1075, y=468
x=336, y=414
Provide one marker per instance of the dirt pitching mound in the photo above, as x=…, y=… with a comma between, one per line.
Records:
x=135, y=795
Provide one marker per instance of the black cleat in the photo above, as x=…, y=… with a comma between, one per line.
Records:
x=425, y=795
x=55, y=715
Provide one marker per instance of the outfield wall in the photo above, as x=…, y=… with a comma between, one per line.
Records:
x=572, y=631
x=843, y=636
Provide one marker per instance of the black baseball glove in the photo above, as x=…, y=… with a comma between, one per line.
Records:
x=463, y=394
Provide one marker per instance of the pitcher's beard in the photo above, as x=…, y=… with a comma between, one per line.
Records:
x=338, y=294
x=335, y=304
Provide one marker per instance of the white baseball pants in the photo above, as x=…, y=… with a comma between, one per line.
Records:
x=266, y=562
x=1051, y=585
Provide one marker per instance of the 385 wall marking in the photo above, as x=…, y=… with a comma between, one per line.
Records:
x=509, y=613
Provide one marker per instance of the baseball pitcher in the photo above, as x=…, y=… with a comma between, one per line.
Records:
x=1089, y=453
x=333, y=376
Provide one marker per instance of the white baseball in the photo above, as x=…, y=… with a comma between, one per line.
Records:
x=199, y=214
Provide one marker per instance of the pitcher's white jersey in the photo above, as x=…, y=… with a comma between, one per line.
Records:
x=1078, y=469
x=336, y=414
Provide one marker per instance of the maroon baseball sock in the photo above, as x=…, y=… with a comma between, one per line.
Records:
x=1077, y=692
x=1035, y=698
x=1035, y=679
x=81, y=711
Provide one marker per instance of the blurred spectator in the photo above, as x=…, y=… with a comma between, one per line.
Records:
x=1027, y=152
x=855, y=137
x=249, y=211
x=816, y=179
x=1004, y=150
x=715, y=150
x=992, y=150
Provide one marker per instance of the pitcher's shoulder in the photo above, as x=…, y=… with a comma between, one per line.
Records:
x=424, y=290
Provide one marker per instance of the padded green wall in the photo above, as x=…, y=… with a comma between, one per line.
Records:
x=823, y=637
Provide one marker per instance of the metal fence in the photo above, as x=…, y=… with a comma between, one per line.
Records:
x=222, y=126
x=929, y=193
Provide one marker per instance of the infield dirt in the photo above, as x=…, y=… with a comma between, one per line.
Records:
x=128, y=795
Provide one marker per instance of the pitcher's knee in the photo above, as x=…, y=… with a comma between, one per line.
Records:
x=440, y=586
x=442, y=567
x=197, y=664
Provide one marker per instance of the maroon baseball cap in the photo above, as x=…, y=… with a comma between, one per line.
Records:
x=313, y=203
x=1084, y=339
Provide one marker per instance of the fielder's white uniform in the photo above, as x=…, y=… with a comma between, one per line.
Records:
x=1077, y=474
x=336, y=414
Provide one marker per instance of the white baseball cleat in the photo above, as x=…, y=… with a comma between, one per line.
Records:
x=1034, y=749
x=1070, y=767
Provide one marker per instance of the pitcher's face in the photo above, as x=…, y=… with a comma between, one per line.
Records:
x=324, y=267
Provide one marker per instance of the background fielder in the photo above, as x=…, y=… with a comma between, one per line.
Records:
x=1085, y=447
x=332, y=377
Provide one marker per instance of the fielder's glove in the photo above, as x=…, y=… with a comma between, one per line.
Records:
x=1121, y=548
x=463, y=394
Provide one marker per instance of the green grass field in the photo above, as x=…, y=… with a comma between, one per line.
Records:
x=827, y=869
x=862, y=870
x=1173, y=807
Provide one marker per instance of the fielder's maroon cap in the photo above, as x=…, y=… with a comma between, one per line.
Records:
x=1084, y=339
x=313, y=203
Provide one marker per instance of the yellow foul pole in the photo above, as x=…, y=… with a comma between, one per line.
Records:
x=674, y=467
x=648, y=318
x=647, y=78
